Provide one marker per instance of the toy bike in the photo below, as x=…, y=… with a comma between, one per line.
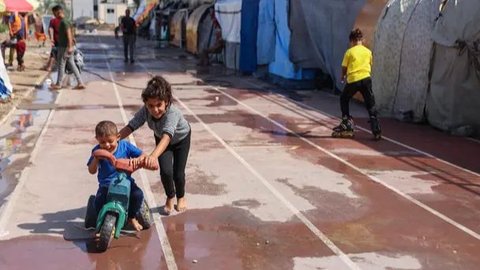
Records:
x=113, y=215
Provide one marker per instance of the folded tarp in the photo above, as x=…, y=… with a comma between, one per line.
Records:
x=454, y=98
x=266, y=32
x=320, y=32
x=228, y=14
x=248, y=36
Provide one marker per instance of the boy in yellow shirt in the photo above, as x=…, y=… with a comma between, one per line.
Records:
x=356, y=69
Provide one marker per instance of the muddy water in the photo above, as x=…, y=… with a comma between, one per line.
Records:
x=20, y=136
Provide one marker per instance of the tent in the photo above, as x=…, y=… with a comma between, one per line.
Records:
x=144, y=9
x=228, y=14
x=178, y=28
x=200, y=29
x=401, y=57
x=248, y=36
x=320, y=32
x=266, y=32
x=453, y=101
x=281, y=65
x=367, y=19
x=5, y=85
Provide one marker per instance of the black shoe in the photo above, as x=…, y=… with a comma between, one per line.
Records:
x=132, y=61
x=375, y=127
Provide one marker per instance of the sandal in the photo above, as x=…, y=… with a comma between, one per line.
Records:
x=55, y=87
x=79, y=87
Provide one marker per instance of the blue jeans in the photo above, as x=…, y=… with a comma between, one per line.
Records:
x=62, y=62
x=136, y=199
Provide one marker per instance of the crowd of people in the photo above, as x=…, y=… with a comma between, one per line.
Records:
x=63, y=45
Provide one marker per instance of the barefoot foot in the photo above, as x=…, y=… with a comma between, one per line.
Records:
x=181, y=204
x=135, y=224
x=169, y=204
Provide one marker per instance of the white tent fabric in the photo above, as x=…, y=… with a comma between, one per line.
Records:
x=401, y=57
x=416, y=54
x=5, y=85
x=228, y=14
x=454, y=98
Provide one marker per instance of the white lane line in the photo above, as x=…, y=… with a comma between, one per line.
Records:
x=368, y=131
x=6, y=211
x=274, y=191
x=161, y=233
x=473, y=140
x=374, y=178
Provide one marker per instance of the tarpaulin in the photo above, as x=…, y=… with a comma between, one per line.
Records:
x=248, y=36
x=454, y=98
x=266, y=32
x=282, y=66
x=320, y=32
x=228, y=14
x=401, y=58
x=5, y=85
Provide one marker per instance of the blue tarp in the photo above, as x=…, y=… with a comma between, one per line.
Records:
x=248, y=36
x=282, y=66
x=266, y=32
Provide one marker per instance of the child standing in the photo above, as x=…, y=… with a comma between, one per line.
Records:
x=21, y=48
x=172, y=137
x=356, y=69
x=106, y=134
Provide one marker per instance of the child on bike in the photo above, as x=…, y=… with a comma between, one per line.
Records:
x=356, y=69
x=172, y=137
x=106, y=134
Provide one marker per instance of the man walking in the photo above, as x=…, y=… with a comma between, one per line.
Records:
x=15, y=27
x=128, y=27
x=65, y=51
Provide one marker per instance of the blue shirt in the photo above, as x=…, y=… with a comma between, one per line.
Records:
x=106, y=171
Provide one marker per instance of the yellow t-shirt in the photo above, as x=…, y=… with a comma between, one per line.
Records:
x=358, y=61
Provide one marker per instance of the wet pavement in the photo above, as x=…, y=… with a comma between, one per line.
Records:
x=267, y=187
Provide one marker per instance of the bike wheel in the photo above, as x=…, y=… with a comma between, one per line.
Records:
x=145, y=216
x=107, y=232
x=91, y=215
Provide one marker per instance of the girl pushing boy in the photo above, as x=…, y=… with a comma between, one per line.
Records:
x=172, y=139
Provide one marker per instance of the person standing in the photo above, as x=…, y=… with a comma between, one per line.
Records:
x=65, y=51
x=129, y=29
x=356, y=69
x=15, y=28
x=53, y=35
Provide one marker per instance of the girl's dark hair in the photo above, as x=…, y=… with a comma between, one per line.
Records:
x=356, y=35
x=159, y=88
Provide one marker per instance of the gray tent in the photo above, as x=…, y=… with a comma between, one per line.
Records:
x=453, y=102
x=319, y=33
x=418, y=75
x=401, y=57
